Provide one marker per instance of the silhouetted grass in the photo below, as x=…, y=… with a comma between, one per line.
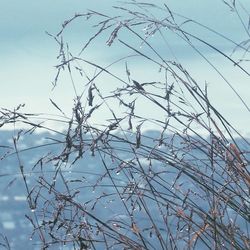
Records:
x=184, y=187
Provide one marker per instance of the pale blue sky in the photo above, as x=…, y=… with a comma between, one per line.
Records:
x=28, y=54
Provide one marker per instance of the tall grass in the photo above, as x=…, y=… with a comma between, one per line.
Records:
x=183, y=187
